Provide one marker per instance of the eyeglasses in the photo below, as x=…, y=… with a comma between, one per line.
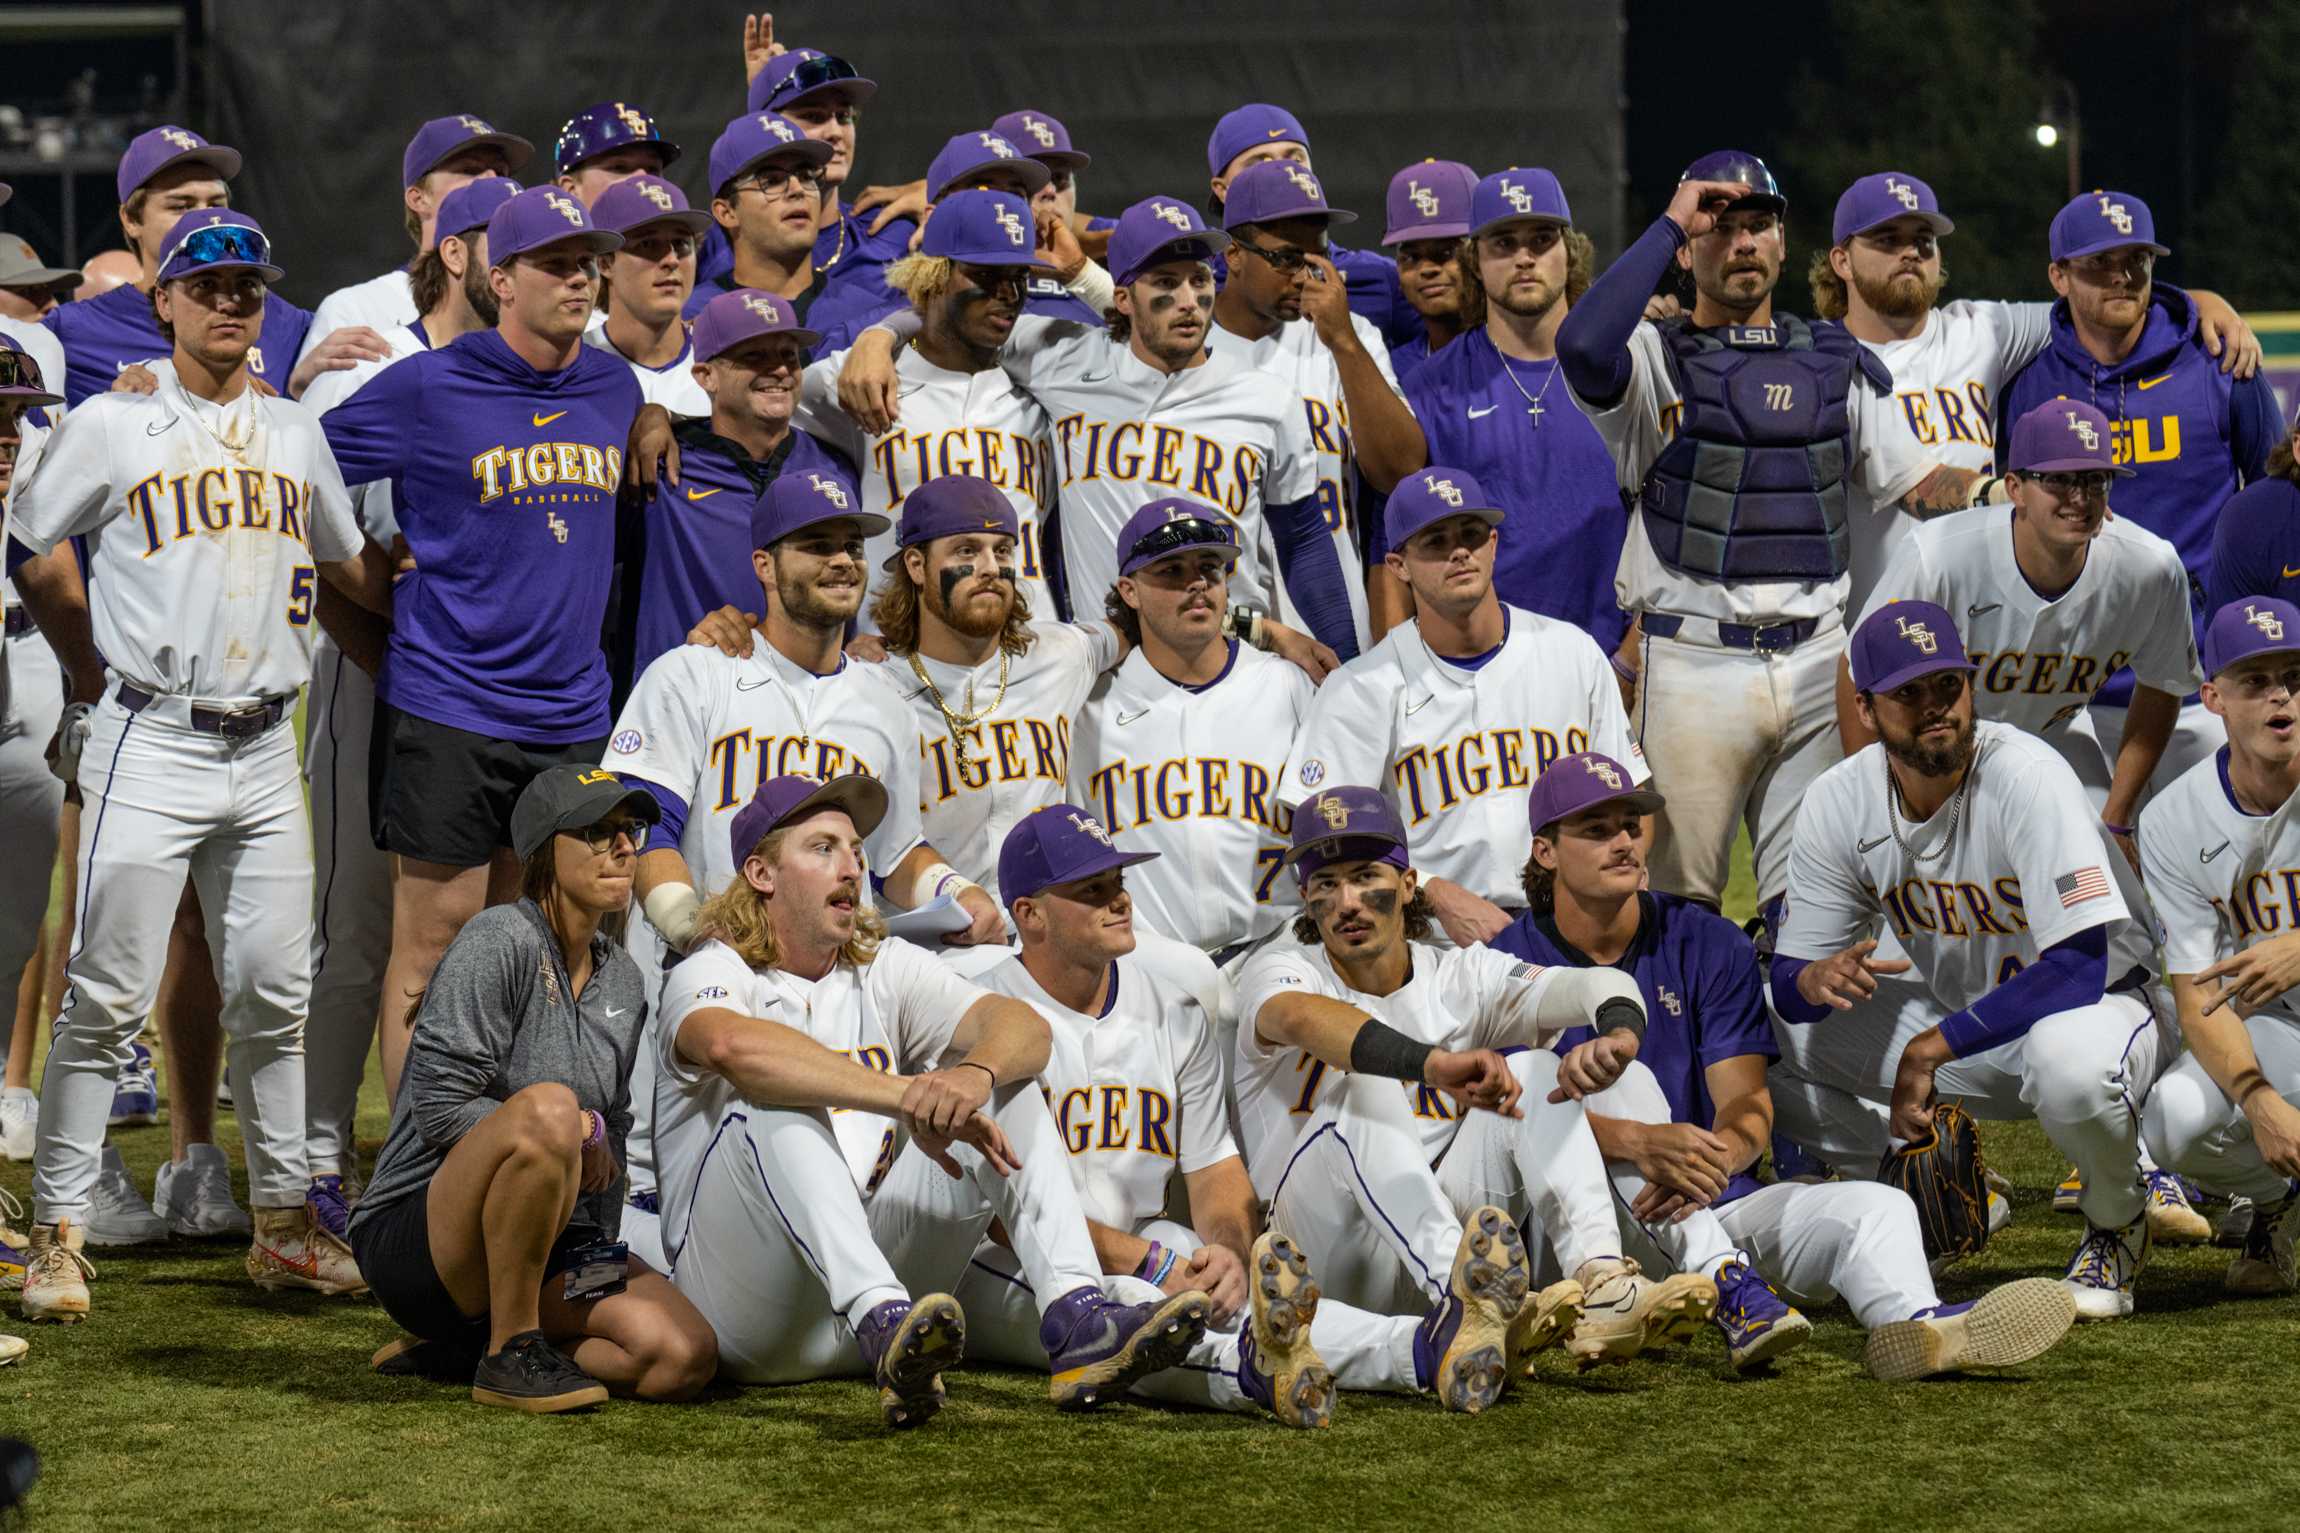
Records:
x=1283, y=259
x=996, y=279
x=775, y=180
x=2086, y=485
x=19, y=371
x=603, y=836
x=220, y=244
x=1188, y=532
x=815, y=73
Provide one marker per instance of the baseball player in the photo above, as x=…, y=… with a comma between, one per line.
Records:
x=506, y=452
x=2192, y=433
x=1685, y=1124
x=204, y=600
x=961, y=415
x=1428, y=208
x=1042, y=136
x=649, y=280
x=1456, y=714
x=766, y=184
x=821, y=93
x=1383, y=1186
x=804, y=1233
x=1278, y=221
x=2222, y=864
x=1181, y=748
x=1740, y=629
x=1975, y=844
x=445, y=153
x=1142, y=410
x=29, y=289
x=607, y=143
x=1488, y=405
x=2254, y=549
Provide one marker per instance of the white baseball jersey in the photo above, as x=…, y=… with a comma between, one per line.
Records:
x=711, y=728
x=1136, y=1091
x=2025, y=866
x=1886, y=464
x=951, y=423
x=1456, y=750
x=383, y=304
x=1221, y=433
x=1192, y=774
x=1457, y=998
x=672, y=385
x=378, y=513
x=1017, y=754
x=1945, y=383
x=2220, y=879
x=204, y=523
x=1294, y=353
x=2042, y=659
x=895, y=1014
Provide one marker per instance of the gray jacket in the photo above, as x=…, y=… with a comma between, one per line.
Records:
x=495, y=1021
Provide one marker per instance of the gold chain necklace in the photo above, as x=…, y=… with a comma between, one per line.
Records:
x=953, y=720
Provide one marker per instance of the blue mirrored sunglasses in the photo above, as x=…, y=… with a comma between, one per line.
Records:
x=815, y=73
x=222, y=245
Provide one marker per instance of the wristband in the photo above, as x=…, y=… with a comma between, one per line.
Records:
x=1621, y=669
x=1166, y=1265
x=1380, y=1049
x=2115, y=829
x=597, y=1134
x=1619, y=1012
x=1985, y=489
x=1149, y=1263
x=973, y=1064
x=672, y=909
x=941, y=879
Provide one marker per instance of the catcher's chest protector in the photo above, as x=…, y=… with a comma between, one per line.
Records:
x=1752, y=486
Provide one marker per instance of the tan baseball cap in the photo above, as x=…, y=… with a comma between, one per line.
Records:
x=21, y=266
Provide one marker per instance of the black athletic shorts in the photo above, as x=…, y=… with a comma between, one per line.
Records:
x=393, y=1249
x=441, y=794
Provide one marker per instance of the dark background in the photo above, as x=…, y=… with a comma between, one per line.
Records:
x=2189, y=106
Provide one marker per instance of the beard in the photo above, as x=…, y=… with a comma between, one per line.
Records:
x=812, y=607
x=1903, y=295
x=1941, y=761
x=1533, y=306
x=973, y=617
x=481, y=296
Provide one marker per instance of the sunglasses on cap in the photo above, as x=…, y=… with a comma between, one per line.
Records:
x=1189, y=532
x=19, y=371
x=221, y=245
x=815, y=73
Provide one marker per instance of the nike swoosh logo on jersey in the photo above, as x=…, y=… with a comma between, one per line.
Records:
x=2149, y=383
x=544, y=420
x=2216, y=851
x=748, y=686
x=1973, y=612
x=617, y=1011
x=1128, y=718
x=1870, y=846
x=162, y=426
x=1478, y=415
x=1414, y=708
x=701, y=494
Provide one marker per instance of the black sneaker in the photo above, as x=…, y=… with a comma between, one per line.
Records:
x=530, y=1374
x=442, y=1362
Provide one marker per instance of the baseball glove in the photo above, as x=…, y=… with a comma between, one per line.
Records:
x=1944, y=1176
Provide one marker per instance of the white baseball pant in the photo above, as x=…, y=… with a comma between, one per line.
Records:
x=31, y=799
x=1733, y=736
x=785, y=1256
x=164, y=801
x=2194, y=1128
x=351, y=906
x=2083, y=1074
x=2197, y=735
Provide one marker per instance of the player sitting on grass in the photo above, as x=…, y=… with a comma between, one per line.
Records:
x=1683, y=1127
x=844, y=1172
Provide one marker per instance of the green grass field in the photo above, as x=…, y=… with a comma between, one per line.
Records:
x=193, y=1400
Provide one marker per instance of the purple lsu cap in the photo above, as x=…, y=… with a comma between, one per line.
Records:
x=154, y=150
x=1429, y=201
x=1041, y=136
x=2100, y=221
x=965, y=156
x=216, y=239
x=1509, y=195
x=1277, y=189
x=807, y=74
x=20, y=377
x=946, y=507
x=1057, y=845
x=982, y=228
x=1249, y=127
x=1581, y=781
x=1879, y=199
x=756, y=137
x=444, y=137
x=780, y=800
x=1168, y=525
x=471, y=206
x=741, y=314
x=1430, y=495
x=1903, y=640
x=2063, y=436
x=1154, y=230
x=807, y=498
x=1345, y=825
x=540, y=216
x=638, y=201
x=2251, y=625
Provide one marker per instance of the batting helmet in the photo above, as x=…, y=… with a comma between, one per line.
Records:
x=610, y=125
x=1738, y=165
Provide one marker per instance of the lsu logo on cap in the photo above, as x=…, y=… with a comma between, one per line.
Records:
x=1012, y=226
x=1178, y=217
x=1906, y=193
x=474, y=125
x=565, y=209
x=596, y=775
x=1334, y=812
x=2084, y=430
x=1038, y=130
x=1517, y=196
x=2267, y=622
x=777, y=127
x=1919, y=635
x=2115, y=213
x=1304, y=180
x=1088, y=825
x=763, y=307
x=1604, y=773
x=997, y=145
x=1423, y=198
x=635, y=121
x=180, y=138
x=1443, y=489
x=828, y=489
x=655, y=194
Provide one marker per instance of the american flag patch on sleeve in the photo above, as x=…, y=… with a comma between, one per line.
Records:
x=2084, y=884
x=1524, y=971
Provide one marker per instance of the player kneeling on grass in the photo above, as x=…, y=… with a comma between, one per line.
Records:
x=845, y=1172
x=1976, y=842
x=1685, y=1123
x=495, y=1203
x=2221, y=849
x=1361, y=1054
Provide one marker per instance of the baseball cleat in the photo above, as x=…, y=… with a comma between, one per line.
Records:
x=117, y=1212
x=13, y=1241
x=442, y=1362
x=19, y=1122
x=1759, y=1324
x=532, y=1375
x=1462, y=1349
x=1098, y=1348
x=2003, y=1327
x=290, y=1251
x=194, y=1195
x=1278, y=1368
x=2172, y=1220
x=136, y=1093
x=12, y=1348
x=2234, y=1223
x=907, y=1344
x=2069, y=1193
x=1546, y=1320
x=1623, y=1312
x=56, y=1274
x=2101, y=1274
x=2267, y=1265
